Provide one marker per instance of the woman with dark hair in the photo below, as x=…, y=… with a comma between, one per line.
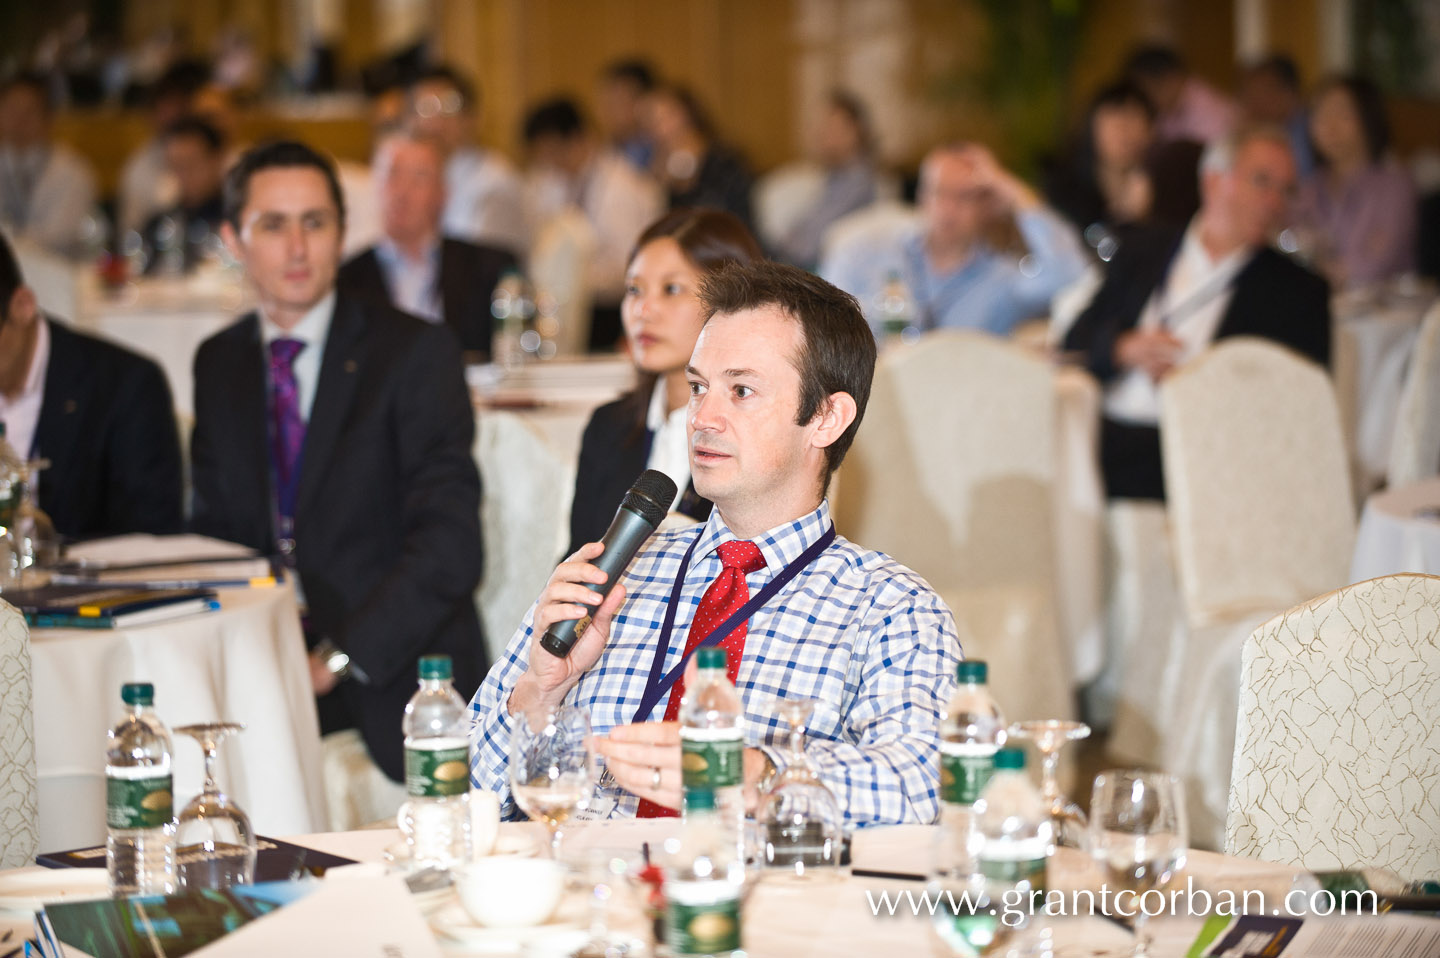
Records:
x=1102, y=185
x=645, y=429
x=1357, y=211
x=696, y=169
x=846, y=148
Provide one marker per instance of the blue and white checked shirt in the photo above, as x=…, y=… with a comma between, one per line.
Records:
x=856, y=630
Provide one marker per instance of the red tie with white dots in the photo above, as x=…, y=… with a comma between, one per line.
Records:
x=726, y=594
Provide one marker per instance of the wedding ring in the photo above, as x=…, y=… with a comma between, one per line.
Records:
x=655, y=778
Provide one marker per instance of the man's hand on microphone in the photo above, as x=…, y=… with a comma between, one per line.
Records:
x=549, y=678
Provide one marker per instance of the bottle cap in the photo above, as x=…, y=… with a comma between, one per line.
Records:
x=698, y=799
x=711, y=657
x=972, y=670
x=137, y=693
x=436, y=667
x=1010, y=758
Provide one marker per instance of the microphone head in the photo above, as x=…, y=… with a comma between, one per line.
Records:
x=650, y=497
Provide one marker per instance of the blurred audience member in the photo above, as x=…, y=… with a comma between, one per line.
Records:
x=47, y=191
x=216, y=105
x=646, y=428
x=1355, y=215
x=484, y=203
x=101, y=414
x=1170, y=294
x=1103, y=186
x=696, y=169
x=386, y=109
x=955, y=272
x=846, y=148
x=146, y=186
x=178, y=238
x=624, y=86
x=413, y=267
x=1271, y=95
x=571, y=170
x=1186, y=107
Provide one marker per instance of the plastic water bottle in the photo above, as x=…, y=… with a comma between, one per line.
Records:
x=895, y=308
x=712, y=737
x=139, y=808
x=702, y=891
x=973, y=731
x=1016, y=838
x=436, y=819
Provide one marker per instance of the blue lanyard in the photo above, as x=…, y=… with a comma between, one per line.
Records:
x=659, y=682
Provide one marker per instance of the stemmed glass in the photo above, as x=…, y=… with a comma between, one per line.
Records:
x=607, y=871
x=34, y=531
x=1050, y=736
x=1138, y=835
x=800, y=823
x=552, y=770
x=214, y=843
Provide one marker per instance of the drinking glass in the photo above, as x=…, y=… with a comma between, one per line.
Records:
x=1138, y=836
x=552, y=770
x=214, y=843
x=34, y=531
x=608, y=872
x=1050, y=736
x=799, y=822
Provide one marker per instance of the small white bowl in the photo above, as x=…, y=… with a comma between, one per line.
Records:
x=511, y=892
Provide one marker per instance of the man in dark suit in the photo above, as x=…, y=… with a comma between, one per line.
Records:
x=1169, y=295
x=337, y=431
x=413, y=267
x=100, y=414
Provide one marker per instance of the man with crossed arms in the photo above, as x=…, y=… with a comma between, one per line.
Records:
x=779, y=381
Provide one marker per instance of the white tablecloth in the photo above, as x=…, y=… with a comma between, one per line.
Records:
x=1399, y=532
x=245, y=662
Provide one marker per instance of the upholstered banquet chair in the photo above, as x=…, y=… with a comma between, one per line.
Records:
x=953, y=475
x=1261, y=516
x=1415, y=449
x=1337, y=742
x=19, y=820
x=783, y=195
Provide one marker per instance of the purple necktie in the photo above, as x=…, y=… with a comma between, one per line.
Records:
x=287, y=435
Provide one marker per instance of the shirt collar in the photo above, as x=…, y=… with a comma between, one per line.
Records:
x=779, y=546
x=35, y=379
x=312, y=329
x=391, y=255
x=1193, y=250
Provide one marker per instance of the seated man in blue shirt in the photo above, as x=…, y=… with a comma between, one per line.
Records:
x=949, y=258
x=779, y=380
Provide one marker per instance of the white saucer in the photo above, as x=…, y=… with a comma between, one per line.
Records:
x=568, y=922
x=31, y=889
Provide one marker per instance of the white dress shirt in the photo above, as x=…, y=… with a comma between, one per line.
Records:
x=414, y=284
x=669, y=444
x=47, y=193
x=1189, y=303
x=312, y=330
x=21, y=415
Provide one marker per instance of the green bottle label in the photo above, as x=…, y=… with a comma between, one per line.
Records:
x=964, y=770
x=437, y=772
x=703, y=927
x=712, y=758
x=138, y=803
x=1022, y=873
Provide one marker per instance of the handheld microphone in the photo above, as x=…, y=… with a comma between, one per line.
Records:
x=642, y=509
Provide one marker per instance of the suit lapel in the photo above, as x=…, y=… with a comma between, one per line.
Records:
x=339, y=374
x=66, y=389
x=250, y=421
x=452, y=264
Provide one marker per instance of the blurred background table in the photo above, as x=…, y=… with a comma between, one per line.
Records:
x=1399, y=532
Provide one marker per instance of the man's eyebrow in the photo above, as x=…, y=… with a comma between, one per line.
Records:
x=741, y=373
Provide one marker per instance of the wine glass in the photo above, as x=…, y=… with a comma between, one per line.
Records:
x=214, y=843
x=34, y=531
x=608, y=871
x=1050, y=736
x=1138, y=835
x=552, y=770
x=799, y=822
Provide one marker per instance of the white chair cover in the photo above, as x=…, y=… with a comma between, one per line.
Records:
x=871, y=226
x=1415, y=450
x=55, y=279
x=783, y=195
x=953, y=474
x=19, y=819
x=1337, y=753
x=559, y=261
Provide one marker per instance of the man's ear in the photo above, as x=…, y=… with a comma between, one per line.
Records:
x=836, y=414
x=22, y=308
x=231, y=240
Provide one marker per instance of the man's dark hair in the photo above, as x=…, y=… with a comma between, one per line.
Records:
x=184, y=79
x=442, y=73
x=197, y=128
x=1280, y=67
x=837, y=350
x=1154, y=61
x=1369, y=105
x=36, y=83
x=558, y=116
x=279, y=154
x=1122, y=94
x=634, y=71
x=10, y=278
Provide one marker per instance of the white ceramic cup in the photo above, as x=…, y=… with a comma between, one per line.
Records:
x=511, y=892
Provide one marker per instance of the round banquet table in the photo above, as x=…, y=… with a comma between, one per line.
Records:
x=1399, y=532
x=245, y=662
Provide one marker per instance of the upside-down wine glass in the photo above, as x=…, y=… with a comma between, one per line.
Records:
x=800, y=823
x=214, y=843
x=1050, y=736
